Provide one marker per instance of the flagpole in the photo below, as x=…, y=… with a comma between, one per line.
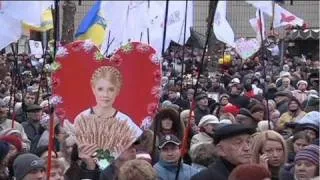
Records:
x=108, y=44
x=263, y=64
x=272, y=18
x=51, y=108
x=184, y=43
x=148, y=33
x=165, y=27
x=212, y=10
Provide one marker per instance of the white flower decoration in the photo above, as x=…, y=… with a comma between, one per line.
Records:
x=55, y=100
x=62, y=52
x=87, y=45
x=146, y=122
x=155, y=59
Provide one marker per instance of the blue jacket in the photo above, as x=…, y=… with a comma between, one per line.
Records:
x=167, y=171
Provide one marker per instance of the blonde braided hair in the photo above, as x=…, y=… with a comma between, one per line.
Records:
x=107, y=72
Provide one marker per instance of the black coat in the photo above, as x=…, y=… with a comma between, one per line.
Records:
x=220, y=170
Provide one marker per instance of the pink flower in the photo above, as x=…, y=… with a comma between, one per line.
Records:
x=156, y=91
x=154, y=59
x=157, y=75
x=56, y=82
x=152, y=108
x=116, y=59
x=143, y=48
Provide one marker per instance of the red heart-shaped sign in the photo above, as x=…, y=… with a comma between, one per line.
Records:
x=141, y=76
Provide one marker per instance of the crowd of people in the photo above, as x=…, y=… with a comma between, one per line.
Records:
x=251, y=119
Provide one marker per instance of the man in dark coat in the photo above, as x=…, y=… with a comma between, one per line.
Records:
x=233, y=148
x=32, y=126
x=202, y=108
x=282, y=100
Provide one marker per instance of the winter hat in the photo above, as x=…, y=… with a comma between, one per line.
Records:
x=234, y=110
x=264, y=126
x=4, y=149
x=14, y=140
x=249, y=171
x=224, y=95
x=25, y=163
x=311, y=118
x=302, y=82
x=201, y=96
x=208, y=119
x=309, y=153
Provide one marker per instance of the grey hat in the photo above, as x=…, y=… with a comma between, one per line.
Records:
x=25, y=163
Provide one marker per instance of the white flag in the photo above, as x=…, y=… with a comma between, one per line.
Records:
x=130, y=19
x=258, y=25
x=29, y=12
x=115, y=14
x=264, y=6
x=221, y=27
x=282, y=17
x=175, y=22
x=10, y=31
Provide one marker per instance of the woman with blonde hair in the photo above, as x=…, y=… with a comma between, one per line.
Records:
x=270, y=150
x=106, y=83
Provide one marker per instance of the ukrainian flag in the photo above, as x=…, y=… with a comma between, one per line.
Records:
x=93, y=26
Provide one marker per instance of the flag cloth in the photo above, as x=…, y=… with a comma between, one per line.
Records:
x=46, y=23
x=137, y=16
x=10, y=30
x=282, y=17
x=264, y=6
x=29, y=12
x=116, y=16
x=175, y=23
x=93, y=26
x=14, y=13
x=221, y=27
x=258, y=25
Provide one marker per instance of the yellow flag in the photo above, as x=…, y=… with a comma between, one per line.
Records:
x=46, y=23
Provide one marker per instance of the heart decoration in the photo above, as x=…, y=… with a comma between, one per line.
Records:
x=138, y=64
x=247, y=48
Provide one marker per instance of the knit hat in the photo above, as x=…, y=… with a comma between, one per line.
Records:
x=14, y=140
x=25, y=163
x=309, y=153
x=4, y=150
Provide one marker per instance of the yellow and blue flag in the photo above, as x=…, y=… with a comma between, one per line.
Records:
x=93, y=26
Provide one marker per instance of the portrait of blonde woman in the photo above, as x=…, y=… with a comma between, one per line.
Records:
x=106, y=83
